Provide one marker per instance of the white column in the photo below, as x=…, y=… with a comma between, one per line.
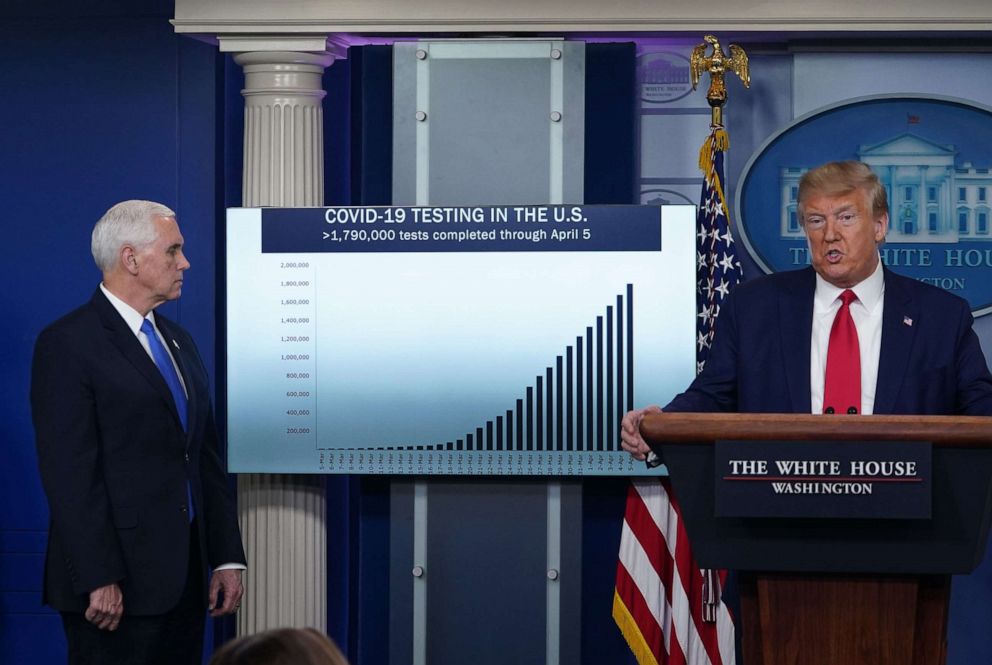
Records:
x=284, y=137
x=896, y=197
x=283, y=523
x=283, y=517
x=952, y=200
x=946, y=208
x=921, y=211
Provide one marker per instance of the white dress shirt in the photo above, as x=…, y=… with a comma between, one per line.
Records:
x=867, y=314
x=133, y=319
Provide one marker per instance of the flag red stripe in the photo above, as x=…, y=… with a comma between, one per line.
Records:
x=656, y=550
x=638, y=608
x=652, y=540
x=692, y=580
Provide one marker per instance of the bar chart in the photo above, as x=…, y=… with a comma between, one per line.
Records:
x=576, y=403
x=476, y=341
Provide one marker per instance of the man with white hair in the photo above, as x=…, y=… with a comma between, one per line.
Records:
x=130, y=460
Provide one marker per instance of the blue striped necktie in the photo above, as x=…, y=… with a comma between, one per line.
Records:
x=164, y=363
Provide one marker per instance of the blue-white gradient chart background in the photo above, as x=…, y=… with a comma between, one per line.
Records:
x=493, y=340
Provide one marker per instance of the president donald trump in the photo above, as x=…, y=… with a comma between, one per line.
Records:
x=845, y=336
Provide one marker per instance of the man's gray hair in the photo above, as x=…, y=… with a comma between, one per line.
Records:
x=127, y=223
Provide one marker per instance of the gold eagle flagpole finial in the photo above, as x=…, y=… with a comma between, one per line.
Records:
x=717, y=64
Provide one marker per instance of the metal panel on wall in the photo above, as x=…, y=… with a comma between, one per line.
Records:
x=483, y=123
x=477, y=123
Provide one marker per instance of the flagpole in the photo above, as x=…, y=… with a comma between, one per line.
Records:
x=667, y=608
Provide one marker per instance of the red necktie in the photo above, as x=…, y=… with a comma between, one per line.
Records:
x=842, y=383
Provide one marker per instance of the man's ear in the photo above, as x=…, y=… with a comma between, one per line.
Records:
x=129, y=259
x=881, y=227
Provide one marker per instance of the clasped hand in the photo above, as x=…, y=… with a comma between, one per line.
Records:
x=630, y=432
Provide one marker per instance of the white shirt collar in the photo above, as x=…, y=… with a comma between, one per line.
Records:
x=131, y=316
x=869, y=291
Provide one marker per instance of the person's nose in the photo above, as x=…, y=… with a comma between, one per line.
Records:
x=183, y=262
x=830, y=232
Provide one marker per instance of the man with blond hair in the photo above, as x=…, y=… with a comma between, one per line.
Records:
x=844, y=336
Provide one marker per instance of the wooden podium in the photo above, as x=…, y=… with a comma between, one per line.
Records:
x=837, y=591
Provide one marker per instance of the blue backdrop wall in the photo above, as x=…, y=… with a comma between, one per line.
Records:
x=99, y=107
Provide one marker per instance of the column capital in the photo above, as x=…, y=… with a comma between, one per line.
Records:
x=284, y=139
x=284, y=58
x=283, y=73
x=332, y=45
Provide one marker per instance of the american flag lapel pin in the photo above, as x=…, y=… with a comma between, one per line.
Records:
x=906, y=321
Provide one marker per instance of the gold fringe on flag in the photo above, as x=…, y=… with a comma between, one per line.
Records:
x=632, y=633
x=718, y=139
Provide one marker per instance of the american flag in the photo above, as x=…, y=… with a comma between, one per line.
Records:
x=669, y=610
x=717, y=267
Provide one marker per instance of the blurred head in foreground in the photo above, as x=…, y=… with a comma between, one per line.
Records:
x=282, y=646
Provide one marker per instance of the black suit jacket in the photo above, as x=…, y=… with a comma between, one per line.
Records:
x=113, y=460
x=930, y=361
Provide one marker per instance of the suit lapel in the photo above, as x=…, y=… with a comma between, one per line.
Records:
x=899, y=312
x=127, y=343
x=795, y=312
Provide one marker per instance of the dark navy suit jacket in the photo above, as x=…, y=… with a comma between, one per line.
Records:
x=113, y=459
x=930, y=361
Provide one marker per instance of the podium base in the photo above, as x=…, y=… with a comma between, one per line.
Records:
x=821, y=619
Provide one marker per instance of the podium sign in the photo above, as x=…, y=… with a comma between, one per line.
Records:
x=823, y=479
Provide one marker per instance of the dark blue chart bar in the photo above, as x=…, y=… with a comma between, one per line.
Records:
x=561, y=228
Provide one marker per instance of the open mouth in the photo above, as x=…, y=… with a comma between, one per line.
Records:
x=834, y=255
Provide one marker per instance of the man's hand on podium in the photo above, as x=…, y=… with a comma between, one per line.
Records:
x=630, y=432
